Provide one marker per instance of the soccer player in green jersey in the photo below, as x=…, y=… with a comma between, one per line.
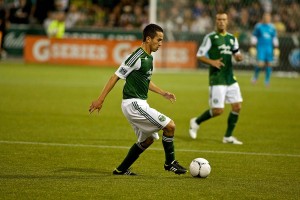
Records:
x=217, y=50
x=137, y=70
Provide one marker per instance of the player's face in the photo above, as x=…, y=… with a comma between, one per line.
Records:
x=221, y=22
x=267, y=18
x=156, y=42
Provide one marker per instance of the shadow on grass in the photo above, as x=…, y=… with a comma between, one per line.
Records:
x=31, y=177
x=82, y=170
x=64, y=173
x=87, y=174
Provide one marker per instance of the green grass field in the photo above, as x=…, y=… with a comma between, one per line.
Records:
x=52, y=148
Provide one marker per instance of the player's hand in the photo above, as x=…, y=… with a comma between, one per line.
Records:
x=96, y=105
x=252, y=51
x=276, y=52
x=170, y=96
x=217, y=63
x=238, y=57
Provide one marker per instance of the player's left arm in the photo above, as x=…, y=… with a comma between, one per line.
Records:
x=276, y=51
x=154, y=88
x=236, y=52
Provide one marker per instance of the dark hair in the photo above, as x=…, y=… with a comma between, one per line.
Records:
x=150, y=30
x=221, y=13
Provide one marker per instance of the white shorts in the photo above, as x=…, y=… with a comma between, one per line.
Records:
x=144, y=120
x=221, y=94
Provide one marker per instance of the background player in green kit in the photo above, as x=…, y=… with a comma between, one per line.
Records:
x=217, y=50
x=137, y=69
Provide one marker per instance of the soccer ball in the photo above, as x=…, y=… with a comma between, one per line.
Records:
x=200, y=168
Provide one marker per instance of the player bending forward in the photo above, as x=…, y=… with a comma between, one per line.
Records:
x=146, y=122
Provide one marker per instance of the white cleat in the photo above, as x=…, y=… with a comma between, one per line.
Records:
x=193, y=128
x=155, y=136
x=231, y=140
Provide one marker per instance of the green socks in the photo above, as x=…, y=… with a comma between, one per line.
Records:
x=231, y=121
x=169, y=149
x=137, y=149
x=132, y=156
x=205, y=116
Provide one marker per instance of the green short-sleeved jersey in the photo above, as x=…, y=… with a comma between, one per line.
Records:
x=215, y=46
x=137, y=70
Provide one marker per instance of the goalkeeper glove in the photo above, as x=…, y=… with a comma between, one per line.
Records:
x=252, y=51
x=276, y=52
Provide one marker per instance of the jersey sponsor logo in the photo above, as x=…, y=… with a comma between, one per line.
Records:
x=267, y=35
x=122, y=71
x=225, y=49
x=215, y=101
x=149, y=73
x=162, y=118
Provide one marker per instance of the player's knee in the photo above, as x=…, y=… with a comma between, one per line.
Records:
x=261, y=64
x=217, y=111
x=147, y=142
x=236, y=108
x=169, y=129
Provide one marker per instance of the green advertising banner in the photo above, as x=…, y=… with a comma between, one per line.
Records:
x=289, y=44
x=14, y=38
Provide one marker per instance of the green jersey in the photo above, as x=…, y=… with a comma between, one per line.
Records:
x=216, y=46
x=137, y=70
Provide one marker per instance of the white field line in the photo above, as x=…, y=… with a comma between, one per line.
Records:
x=156, y=149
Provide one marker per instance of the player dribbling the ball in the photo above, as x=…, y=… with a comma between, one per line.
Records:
x=137, y=69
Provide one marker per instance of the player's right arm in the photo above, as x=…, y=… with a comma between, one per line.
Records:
x=122, y=72
x=253, y=41
x=97, y=104
x=202, y=52
x=252, y=49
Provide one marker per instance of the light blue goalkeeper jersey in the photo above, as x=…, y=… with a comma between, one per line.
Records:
x=266, y=37
x=265, y=34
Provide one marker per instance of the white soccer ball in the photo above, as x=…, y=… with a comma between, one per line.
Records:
x=200, y=168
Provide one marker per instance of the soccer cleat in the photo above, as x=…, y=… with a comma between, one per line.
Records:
x=126, y=172
x=175, y=167
x=253, y=81
x=193, y=128
x=155, y=136
x=231, y=140
x=267, y=84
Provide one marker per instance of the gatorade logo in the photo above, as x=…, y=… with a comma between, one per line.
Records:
x=294, y=58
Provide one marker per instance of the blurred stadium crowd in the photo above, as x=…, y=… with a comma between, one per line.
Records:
x=197, y=16
x=175, y=15
x=78, y=13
